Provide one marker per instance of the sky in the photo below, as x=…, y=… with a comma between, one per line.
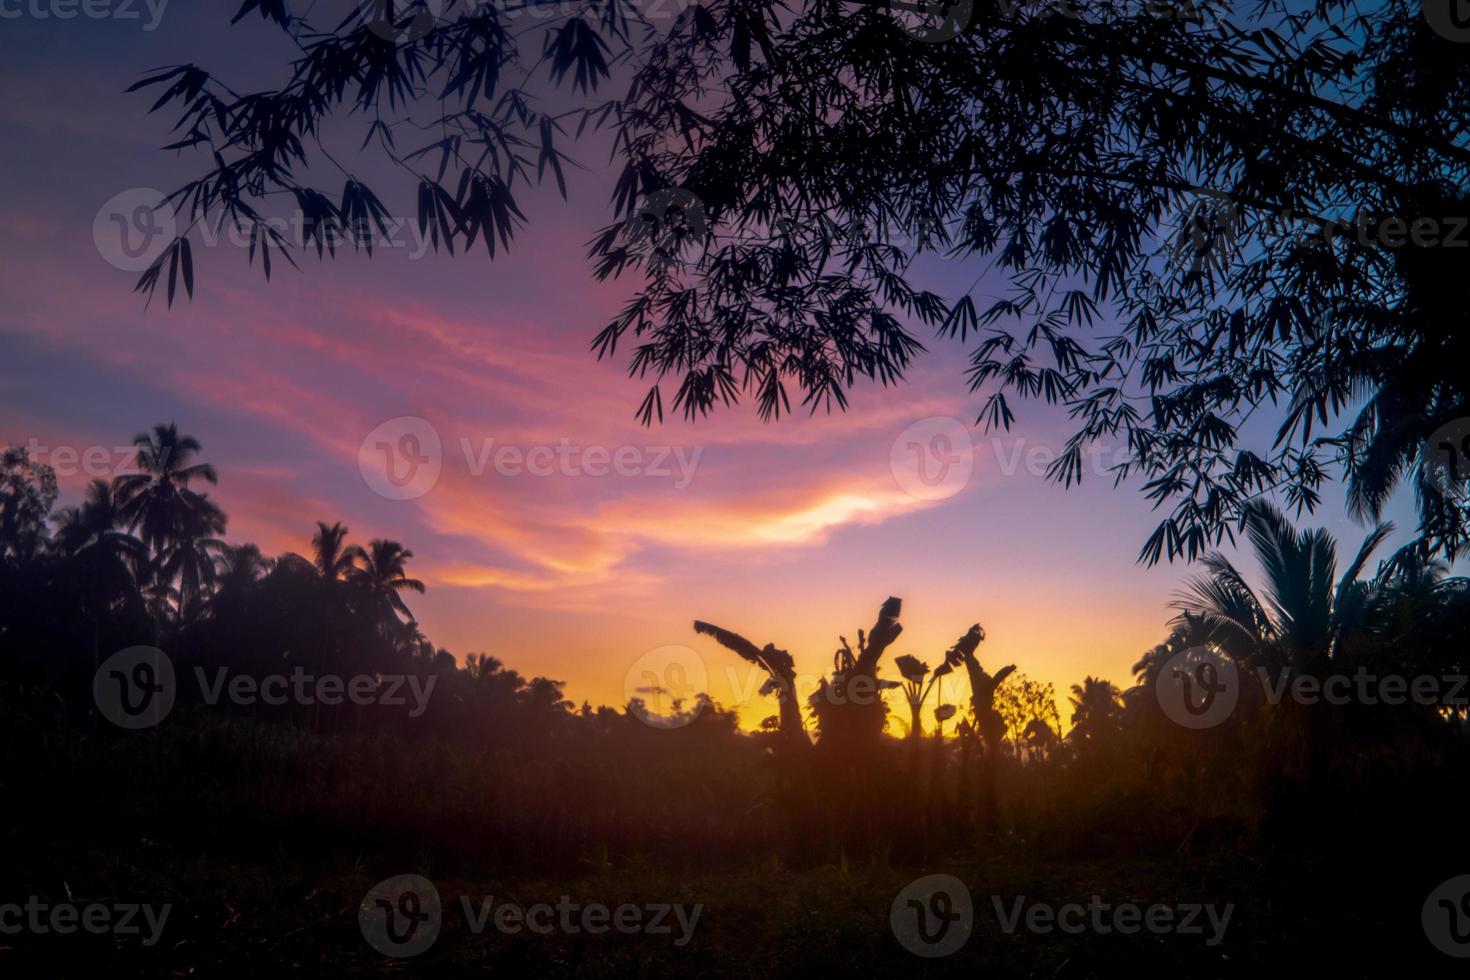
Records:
x=557, y=533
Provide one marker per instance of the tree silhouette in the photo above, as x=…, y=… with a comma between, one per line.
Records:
x=1188, y=631
x=191, y=558
x=1308, y=615
x=157, y=501
x=334, y=559
x=106, y=558
x=94, y=534
x=1097, y=711
x=1175, y=265
x=384, y=573
x=1039, y=739
x=240, y=566
x=27, y=492
x=1029, y=711
x=1113, y=166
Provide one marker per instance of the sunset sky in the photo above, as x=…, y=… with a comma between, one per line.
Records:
x=791, y=532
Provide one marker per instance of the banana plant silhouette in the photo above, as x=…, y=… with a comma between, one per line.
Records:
x=983, y=686
x=988, y=722
x=848, y=708
x=780, y=681
x=913, y=671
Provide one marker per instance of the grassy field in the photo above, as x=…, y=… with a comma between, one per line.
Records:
x=290, y=916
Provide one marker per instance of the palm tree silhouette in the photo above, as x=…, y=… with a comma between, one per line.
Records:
x=1308, y=614
x=337, y=565
x=1039, y=739
x=1097, y=710
x=240, y=566
x=157, y=502
x=384, y=573
x=95, y=533
x=179, y=526
x=1412, y=387
x=335, y=560
x=190, y=559
x=1188, y=631
x=106, y=556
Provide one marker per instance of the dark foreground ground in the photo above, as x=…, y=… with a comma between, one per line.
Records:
x=288, y=916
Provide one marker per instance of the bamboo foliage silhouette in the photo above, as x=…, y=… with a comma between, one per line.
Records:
x=760, y=276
